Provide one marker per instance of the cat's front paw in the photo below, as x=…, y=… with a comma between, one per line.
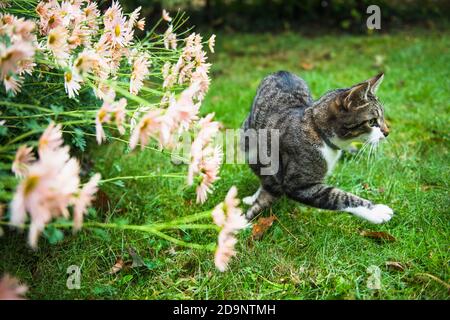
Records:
x=379, y=213
x=248, y=200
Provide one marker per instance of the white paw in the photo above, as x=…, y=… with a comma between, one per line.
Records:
x=248, y=200
x=380, y=213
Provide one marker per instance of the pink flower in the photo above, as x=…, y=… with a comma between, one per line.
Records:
x=140, y=71
x=110, y=111
x=86, y=61
x=91, y=13
x=218, y=215
x=212, y=42
x=25, y=66
x=51, y=139
x=208, y=128
x=24, y=157
x=11, y=56
x=170, y=38
x=200, y=76
x=118, y=31
x=57, y=43
x=50, y=186
x=228, y=216
x=204, y=160
x=13, y=83
x=133, y=18
x=72, y=82
x=208, y=169
x=84, y=200
x=114, y=11
x=11, y=289
x=225, y=251
x=149, y=126
x=165, y=16
x=185, y=108
x=50, y=14
x=180, y=114
x=46, y=191
x=141, y=24
x=169, y=74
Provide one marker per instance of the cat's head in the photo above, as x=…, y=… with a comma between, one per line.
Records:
x=358, y=114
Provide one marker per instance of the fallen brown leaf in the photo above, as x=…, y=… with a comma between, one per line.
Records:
x=117, y=266
x=307, y=66
x=394, y=265
x=102, y=201
x=378, y=235
x=261, y=226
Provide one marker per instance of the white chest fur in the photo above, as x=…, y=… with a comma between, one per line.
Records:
x=331, y=156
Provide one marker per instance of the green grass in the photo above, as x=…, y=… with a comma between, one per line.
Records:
x=308, y=253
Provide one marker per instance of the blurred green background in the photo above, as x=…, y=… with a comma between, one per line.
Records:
x=306, y=15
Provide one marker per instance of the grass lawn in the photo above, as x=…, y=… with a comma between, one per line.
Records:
x=307, y=253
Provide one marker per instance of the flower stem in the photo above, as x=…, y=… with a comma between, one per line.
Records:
x=168, y=175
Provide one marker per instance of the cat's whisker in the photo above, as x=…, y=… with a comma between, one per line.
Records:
x=363, y=149
x=370, y=156
x=360, y=152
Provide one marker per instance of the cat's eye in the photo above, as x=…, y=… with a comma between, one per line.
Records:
x=373, y=122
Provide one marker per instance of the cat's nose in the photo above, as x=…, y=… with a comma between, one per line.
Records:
x=385, y=130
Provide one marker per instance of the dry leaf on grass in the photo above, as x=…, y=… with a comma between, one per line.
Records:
x=102, y=201
x=261, y=226
x=307, y=66
x=378, y=235
x=394, y=265
x=117, y=266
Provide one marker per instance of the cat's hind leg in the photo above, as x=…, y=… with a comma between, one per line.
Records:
x=263, y=200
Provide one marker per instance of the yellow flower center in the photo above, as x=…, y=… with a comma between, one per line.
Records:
x=79, y=62
x=101, y=115
x=51, y=39
x=30, y=183
x=68, y=76
x=147, y=124
x=117, y=30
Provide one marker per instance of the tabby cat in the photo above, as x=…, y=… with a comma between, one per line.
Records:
x=312, y=135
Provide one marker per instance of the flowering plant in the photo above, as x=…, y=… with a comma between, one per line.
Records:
x=71, y=74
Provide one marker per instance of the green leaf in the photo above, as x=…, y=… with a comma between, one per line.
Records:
x=56, y=109
x=53, y=235
x=78, y=139
x=101, y=234
x=3, y=131
x=126, y=279
x=119, y=183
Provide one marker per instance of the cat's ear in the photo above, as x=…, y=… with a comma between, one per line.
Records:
x=356, y=93
x=375, y=82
